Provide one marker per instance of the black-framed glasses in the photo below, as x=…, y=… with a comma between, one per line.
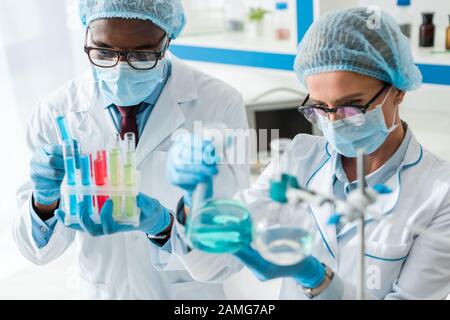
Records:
x=137, y=59
x=350, y=112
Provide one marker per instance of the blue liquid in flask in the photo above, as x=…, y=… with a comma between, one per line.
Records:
x=221, y=226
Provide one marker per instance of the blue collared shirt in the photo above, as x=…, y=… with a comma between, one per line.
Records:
x=342, y=186
x=43, y=230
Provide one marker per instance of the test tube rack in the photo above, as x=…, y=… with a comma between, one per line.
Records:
x=95, y=174
x=122, y=195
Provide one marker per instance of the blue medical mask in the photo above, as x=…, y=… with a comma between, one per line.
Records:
x=349, y=135
x=124, y=86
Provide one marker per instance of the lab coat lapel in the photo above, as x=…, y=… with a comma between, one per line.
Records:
x=386, y=203
x=165, y=118
x=87, y=107
x=167, y=115
x=322, y=183
x=95, y=122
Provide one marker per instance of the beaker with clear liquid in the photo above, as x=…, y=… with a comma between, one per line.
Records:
x=283, y=232
x=217, y=222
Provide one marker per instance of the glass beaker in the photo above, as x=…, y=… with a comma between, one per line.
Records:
x=283, y=231
x=217, y=223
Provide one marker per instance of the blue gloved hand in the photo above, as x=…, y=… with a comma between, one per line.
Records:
x=309, y=272
x=191, y=161
x=47, y=173
x=153, y=220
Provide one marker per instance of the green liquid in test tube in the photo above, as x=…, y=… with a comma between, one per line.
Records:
x=130, y=172
x=114, y=165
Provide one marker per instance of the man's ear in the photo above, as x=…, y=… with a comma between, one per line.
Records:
x=399, y=96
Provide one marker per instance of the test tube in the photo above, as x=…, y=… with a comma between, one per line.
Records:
x=70, y=168
x=100, y=176
x=130, y=172
x=63, y=128
x=105, y=167
x=76, y=148
x=85, y=169
x=65, y=135
x=114, y=173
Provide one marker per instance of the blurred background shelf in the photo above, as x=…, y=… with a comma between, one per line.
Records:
x=207, y=41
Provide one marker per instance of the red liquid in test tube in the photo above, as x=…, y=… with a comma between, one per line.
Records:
x=104, y=163
x=100, y=175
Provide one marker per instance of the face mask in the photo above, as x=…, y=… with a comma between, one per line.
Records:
x=125, y=86
x=346, y=137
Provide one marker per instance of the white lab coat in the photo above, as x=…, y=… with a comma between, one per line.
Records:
x=400, y=264
x=121, y=266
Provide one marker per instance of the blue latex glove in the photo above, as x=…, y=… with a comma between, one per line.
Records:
x=191, y=161
x=153, y=220
x=47, y=174
x=309, y=272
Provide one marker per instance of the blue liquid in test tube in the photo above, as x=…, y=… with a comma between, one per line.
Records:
x=63, y=128
x=85, y=168
x=76, y=149
x=65, y=135
x=70, y=167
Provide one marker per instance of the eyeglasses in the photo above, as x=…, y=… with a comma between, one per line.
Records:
x=351, y=112
x=137, y=59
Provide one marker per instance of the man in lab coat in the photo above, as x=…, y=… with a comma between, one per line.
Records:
x=135, y=86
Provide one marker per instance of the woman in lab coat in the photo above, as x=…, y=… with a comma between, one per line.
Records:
x=122, y=264
x=357, y=75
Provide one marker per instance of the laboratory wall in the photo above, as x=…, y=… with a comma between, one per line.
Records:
x=41, y=48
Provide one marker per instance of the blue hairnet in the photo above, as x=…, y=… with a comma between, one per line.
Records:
x=166, y=14
x=362, y=41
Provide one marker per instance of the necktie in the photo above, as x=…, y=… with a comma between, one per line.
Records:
x=129, y=122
